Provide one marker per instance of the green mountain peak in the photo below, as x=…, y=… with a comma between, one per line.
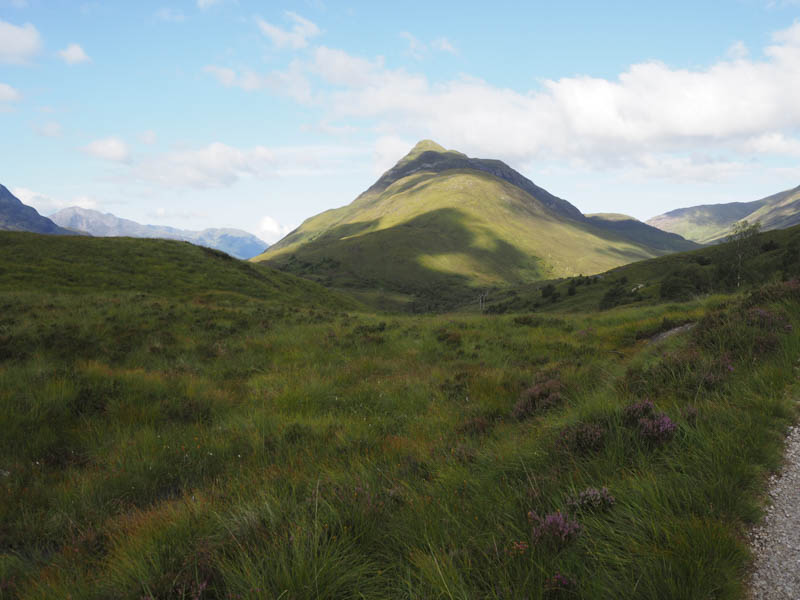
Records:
x=439, y=225
x=427, y=146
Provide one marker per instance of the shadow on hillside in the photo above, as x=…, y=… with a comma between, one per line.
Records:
x=391, y=260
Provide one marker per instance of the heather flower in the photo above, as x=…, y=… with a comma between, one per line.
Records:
x=554, y=529
x=582, y=438
x=538, y=397
x=657, y=429
x=559, y=586
x=518, y=548
x=592, y=499
x=633, y=412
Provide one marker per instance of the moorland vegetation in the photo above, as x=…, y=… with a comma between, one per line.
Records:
x=179, y=424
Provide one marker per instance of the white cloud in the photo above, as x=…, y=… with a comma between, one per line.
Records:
x=772, y=143
x=220, y=165
x=416, y=48
x=204, y=4
x=168, y=213
x=444, y=45
x=8, y=93
x=296, y=38
x=111, y=148
x=170, y=15
x=73, y=55
x=48, y=129
x=47, y=205
x=388, y=149
x=247, y=80
x=733, y=106
x=340, y=68
x=18, y=44
x=291, y=82
x=738, y=51
x=148, y=137
x=271, y=231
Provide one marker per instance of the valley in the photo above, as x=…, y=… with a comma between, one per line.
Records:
x=182, y=424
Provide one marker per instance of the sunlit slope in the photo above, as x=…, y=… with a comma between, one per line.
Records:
x=711, y=223
x=423, y=227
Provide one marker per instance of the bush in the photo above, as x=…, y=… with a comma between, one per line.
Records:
x=537, y=398
x=554, y=530
x=592, y=500
x=582, y=438
x=657, y=429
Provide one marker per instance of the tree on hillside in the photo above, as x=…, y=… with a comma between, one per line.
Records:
x=741, y=244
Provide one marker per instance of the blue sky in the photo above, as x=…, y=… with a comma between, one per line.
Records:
x=257, y=115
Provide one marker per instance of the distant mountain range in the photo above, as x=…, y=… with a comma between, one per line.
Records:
x=235, y=242
x=16, y=216
x=710, y=223
x=439, y=219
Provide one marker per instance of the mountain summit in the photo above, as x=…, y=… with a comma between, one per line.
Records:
x=439, y=224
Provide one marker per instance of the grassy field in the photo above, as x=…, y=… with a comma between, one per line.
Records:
x=192, y=441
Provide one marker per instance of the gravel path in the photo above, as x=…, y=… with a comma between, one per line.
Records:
x=776, y=541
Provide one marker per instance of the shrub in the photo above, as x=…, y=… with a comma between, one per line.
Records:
x=617, y=295
x=633, y=412
x=685, y=283
x=582, y=438
x=536, y=398
x=657, y=429
x=554, y=530
x=559, y=586
x=592, y=500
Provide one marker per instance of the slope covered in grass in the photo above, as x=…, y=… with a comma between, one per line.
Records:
x=711, y=223
x=159, y=267
x=440, y=225
x=159, y=445
x=679, y=276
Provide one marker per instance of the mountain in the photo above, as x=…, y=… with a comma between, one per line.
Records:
x=710, y=223
x=235, y=242
x=16, y=216
x=635, y=230
x=440, y=224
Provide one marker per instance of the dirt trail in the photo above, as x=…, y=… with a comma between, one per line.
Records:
x=776, y=541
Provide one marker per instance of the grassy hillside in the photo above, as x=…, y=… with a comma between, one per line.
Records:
x=712, y=223
x=679, y=276
x=432, y=234
x=645, y=234
x=159, y=267
x=162, y=442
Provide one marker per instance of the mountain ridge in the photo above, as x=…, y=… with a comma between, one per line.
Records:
x=18, y=216
x=712, y=223
x=236, y=242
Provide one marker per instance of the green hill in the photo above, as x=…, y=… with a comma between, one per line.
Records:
x=77, y=264
x=710, y=223
x=439, y=225
x=680, y=276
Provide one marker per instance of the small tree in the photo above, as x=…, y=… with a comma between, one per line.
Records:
x=742, y=245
